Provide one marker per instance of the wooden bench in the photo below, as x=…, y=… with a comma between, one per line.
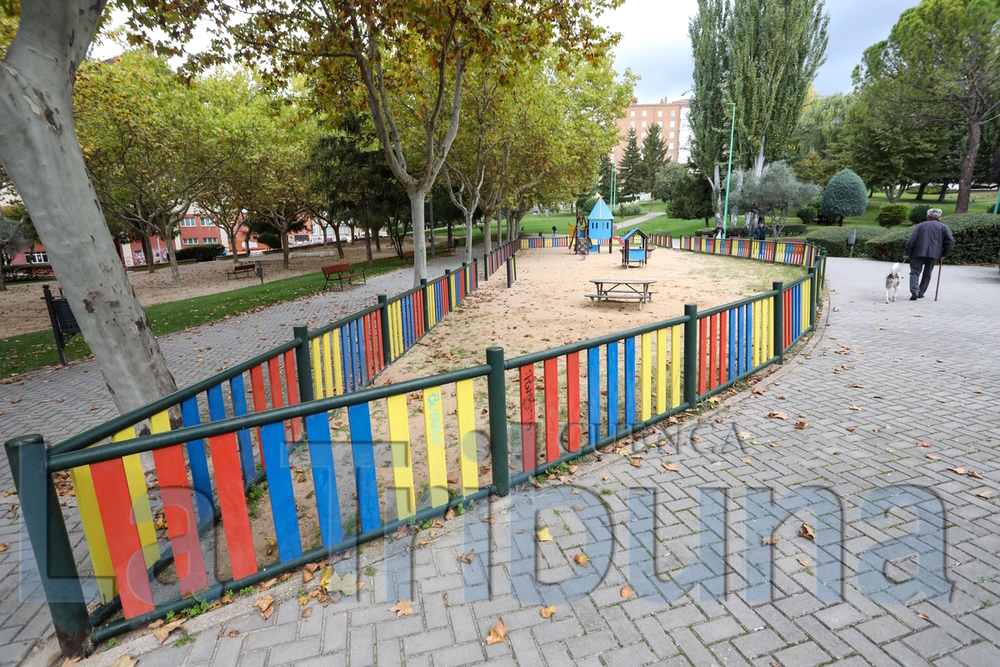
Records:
x=240, y=271
x=340, y=273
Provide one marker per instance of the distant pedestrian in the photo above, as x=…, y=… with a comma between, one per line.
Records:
x=719, y=230
x=930, y=241
x=760, y=231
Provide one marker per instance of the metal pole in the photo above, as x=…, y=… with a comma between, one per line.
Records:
x=496, y=390
x=50, y=544
x=778, y=335
x=427, y=317
x=996, y=208
x=691, y=354
x=303, y=364
x=383, y=303
x=729, y=176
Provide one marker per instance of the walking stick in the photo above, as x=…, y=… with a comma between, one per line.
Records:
x=940, y=266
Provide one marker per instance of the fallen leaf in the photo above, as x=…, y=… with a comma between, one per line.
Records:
x=769, y=540
x=271, y=542
x=234, y=633
x=746, y=460
x=777, y=414
x=490, y=519
x=581, y=559
x=804, y=562
x=573, y=469
x=855, y=408
x=923, y=443
x=467, y=558
x=437, y=523
x=636, y=463
x=544, y=535
x=854, y=385
x=627, y=592
x=974, y=474
x=807, y=532
x=852, y=430
x=605, y=478
x=307, y=612
x=498, y=633
x=984, y=494
x=267, y=584
x=403, y=608
x=577, y=507
x=15, y=401
x=266, y=606
x=932, y=457
x=155, y=624
x=801, y=425
x=672, y=467
x=546, y=612
x=124, y=661
x=307, y=576
x=449, y=515
x=958, y=471
x=924, y=616
x=164, y=631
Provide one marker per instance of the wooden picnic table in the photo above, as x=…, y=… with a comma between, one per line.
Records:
x=617, y=289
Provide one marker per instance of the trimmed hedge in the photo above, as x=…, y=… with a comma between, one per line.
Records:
x=201, y=253
x=834, y=239
x=792, y=231
x=977, y=240
x=807, y=214
x=891, y=215
x=623, y=210
x=918, y=213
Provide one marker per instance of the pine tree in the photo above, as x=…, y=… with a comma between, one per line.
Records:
x=630, y=169
x=605, y=176
x=653, y=153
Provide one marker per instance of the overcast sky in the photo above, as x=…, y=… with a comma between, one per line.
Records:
x=655, y=43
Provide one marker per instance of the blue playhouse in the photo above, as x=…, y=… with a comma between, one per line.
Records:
x=635, y=248
x=601, y=224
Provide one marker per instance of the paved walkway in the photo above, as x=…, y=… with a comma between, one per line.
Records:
x=63, y=402
x=875, y=382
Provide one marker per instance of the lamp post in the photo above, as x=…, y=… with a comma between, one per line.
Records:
x=729, y=174
x=996, y=207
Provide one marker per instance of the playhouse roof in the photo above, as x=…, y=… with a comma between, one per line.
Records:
x=632, y=232
x=600, y=211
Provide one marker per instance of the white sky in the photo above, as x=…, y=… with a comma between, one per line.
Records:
x=655, y=43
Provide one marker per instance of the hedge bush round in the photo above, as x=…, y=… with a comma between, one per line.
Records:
x=834, y=239
x=891, y=215
x=845, y=195
x=918, y=213
x=977, y=240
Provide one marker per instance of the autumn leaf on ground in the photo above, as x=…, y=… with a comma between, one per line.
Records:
x=403, y=608
x=124, y=661
x=267, y=584
x=449, y=515
x=467, y=558
x=932, y=457
x=854, y=385
x=306, y=613
x=437, y=523
x=769, y=540
x=581, y=559
x=544, y=535
x=746, y=460
x=958, y=471
x=923, y=443
x=577, y=507
x=852, y=430
x=490, y=519
x=804, y=562
x=3, y=547
x=627, y=592
x=807, y=532
x=307, y=576
x=984, y=494
x=498, y=633
x=605, y=478
x=777, y=414
x=855, y=408
x=672, y=467
x=924, y=617
x=234, y=633
x=546, y=612
x=801, y=425
x=974, y=474
x=636, y=463
x=266, y=606
x=164, y=631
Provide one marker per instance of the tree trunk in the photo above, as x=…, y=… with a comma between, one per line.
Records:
x=920, y=192
x=487, y=230
x=231, y=233
x=163, y=231
x=147, y=247
x=285, y=249
x=368, y=234
x=3, y=263
x=944, y=190
x=41, y=154
x=968, y=164
x=417, y=198
x=451, y=224
x=378, y=240
x=336, y=238
x=468, y=237
x=499, y=226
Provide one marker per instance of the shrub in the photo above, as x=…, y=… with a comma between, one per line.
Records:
x=270, y=239
x=202, y=253
x=977, y=240
x=624, y=210
x=890, y=215
x=807, y=214
x=792, y=230
x=585, y=205
x=918, y=213
x=845, y=196
x=834, y=239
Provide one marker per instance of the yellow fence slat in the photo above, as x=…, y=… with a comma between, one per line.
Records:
x=328, y=364
x=140, y=500
x=402, y=461
x=467, y=437
x=437, y=467
x=338, y=365
x=93, y=530
x=317, y=363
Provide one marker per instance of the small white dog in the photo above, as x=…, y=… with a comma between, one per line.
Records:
x=892, y=283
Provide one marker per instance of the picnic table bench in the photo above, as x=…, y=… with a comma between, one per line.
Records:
x=240, y=271
x=616, y=289
x=342, y=272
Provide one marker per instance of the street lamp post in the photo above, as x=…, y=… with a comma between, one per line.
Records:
x=729, y=175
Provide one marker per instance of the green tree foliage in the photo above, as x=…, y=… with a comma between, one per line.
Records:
x=918, y=213
x=668, y=176
x=845, y=196
x=691, y=199
x=630, y=170
x=775, y=194
x=945, y=56
x=818, y=140
x=605, y=177
x=654, y=151
x=890, y=215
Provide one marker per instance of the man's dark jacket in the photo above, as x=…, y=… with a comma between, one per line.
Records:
x=759, y=233
x=930, y=239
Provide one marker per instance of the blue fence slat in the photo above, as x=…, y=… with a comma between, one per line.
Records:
x=237, y=387
x=362, y=447
x=359, y=328
x=630, y=381
x=732, y=345
x=279, y=488
x=200, y=477
x=345, y=354
x=594, y=393
x=612, y=380
x=324, y=479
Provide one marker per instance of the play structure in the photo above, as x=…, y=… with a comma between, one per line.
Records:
x=601, y=224
x=635, y=248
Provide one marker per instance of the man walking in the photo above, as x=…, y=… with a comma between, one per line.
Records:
x=760, y=231
x=930, y=241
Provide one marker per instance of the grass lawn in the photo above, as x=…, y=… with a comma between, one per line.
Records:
x=27, y=352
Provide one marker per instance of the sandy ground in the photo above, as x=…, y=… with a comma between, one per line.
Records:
x=544, y=309
x=22, y=309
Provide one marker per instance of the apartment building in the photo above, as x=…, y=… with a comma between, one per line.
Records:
x=672, y=117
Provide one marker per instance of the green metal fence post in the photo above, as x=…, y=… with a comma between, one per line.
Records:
x=50, y=544
x=447, y=289
x=813, y=287
x=778, y=334
x=486, y=266
x=303, y=364
x=465, y=276
x=496, y=390
x=691, y=354
x=383, y=304
x=510, y=273
x=427, y=317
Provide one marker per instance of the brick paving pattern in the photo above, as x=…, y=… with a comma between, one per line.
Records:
x=927, y=373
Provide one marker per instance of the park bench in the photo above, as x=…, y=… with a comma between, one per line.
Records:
x=342, y=272
x=241, y=271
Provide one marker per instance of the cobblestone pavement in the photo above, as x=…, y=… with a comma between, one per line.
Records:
x=869, y=388
x=63, y=402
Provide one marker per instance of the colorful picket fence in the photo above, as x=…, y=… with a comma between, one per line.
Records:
x=532, y=242
x=492, y=261
x=661, y=240
x=571, y=400
x=782, y=252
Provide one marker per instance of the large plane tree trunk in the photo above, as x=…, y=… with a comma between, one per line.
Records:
x=417, y=198
x=41, y=154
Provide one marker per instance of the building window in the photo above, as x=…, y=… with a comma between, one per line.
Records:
x=671, y=123
x=38, y=258
x=670, y=146
x=207, y=222
x=673, y=112
x=671, y=135
x=632, y=125
x=189, y=241
x=633, y=114
x=644, y=123
x=188, y=222
x=210, y=239
x=659, y=114
x=643, y=113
